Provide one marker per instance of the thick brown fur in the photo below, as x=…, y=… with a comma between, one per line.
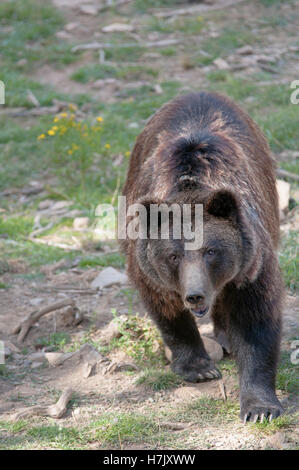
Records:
x=202, y=148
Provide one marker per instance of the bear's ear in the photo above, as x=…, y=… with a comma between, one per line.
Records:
x=222, y=203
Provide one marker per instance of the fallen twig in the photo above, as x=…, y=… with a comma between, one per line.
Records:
x=222, y=389
x=25, y=325
x=196, y=9
x=108, y=45
x=112, y=4
x=54, y=411
x=287, y=174
x=70, y=290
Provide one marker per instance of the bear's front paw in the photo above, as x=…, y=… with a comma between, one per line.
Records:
x=257, y=410
x=201, y=369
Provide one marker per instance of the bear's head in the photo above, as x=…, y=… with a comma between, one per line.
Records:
x=223, y=248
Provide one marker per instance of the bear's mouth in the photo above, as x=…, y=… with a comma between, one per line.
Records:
x=199, y=312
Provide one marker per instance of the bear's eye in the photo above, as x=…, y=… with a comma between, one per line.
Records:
x=173, y=259
x=211, y=252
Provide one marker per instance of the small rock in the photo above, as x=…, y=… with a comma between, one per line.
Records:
x=61, y=205
x=121, y=367
x=133, y=125
x=283, y=189
x=158, y=89
x=109, y=277
x=73, y=214
x=63, y=35
x=80, y=223
x=89, y=10
x=221, y=64
x=36, y=301
x=76, y=412
x=266, y=59
x=245, y=50
x=36, y=364
x=88, y=369
x=213, y=349
x=38, y=356
x=21, y=62
x=56, y=358
x=71, y=27
x=112, y=330
x=45, y=204
x=103, y=82
x=152, y=55
x=118, y=28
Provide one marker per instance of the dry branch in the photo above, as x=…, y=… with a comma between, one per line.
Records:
x=108, y=45
x=196, y=9
x=287, y=174
x=113, y=4
x=25, y=325
x=54, y=411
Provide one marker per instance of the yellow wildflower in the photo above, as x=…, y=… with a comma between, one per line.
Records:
x=51, y=132
x=127, y=154
x=54, y=128
x=70, y=152
x=41, y=137
x=99, y=119
x=63, y=115
x=107, y=146
x=56, y=119
x=73, y=107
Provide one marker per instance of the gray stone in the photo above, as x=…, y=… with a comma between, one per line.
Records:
x=109, y=277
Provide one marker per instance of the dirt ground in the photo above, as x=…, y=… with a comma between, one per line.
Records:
x=32, y=382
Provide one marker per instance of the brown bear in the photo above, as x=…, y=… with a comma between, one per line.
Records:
x=201, y=148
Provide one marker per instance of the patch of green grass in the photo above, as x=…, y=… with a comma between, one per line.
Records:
x=229, y=40
x=287, y=375
x=56, y=341
x=55, y=436
x=125, y=54
x=159, y=379
x=209, y=410
x=110, y=259
x=280, y=127
x=228, y=366
x=16, y=227
x=120, y=428
x=270, y=3
x=137, y=72
x=168, y=51
x=181, y=24
x=238, y=89
x=3, y=286
x=91, y=72
x=13, y=427
x=144, y=5
x=289, y=260
x=139, y=339
x=268, y=428
x=17, y=86
x=36, y=254
x=29, y=20
x=3, y=371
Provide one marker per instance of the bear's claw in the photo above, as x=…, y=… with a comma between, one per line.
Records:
x=256, y=414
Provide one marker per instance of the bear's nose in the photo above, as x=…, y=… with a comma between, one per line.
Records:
x=194, y=298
